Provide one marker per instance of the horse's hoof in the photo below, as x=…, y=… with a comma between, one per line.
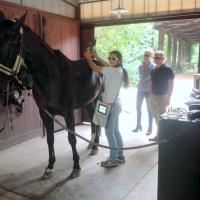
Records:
x=47, y=174
x=75, y=173
x=94, y=151
x=89, y=146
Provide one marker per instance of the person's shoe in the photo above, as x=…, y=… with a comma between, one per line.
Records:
x=156, y=138
x=137, y=129
x=121, y=159
x=149, y=131
x=110, y=163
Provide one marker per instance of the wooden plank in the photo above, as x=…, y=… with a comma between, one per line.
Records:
x=53, y=6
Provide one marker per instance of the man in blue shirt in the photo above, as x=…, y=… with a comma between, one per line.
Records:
x=162, y=81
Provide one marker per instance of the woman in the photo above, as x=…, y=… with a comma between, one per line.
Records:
x=144, y=89
x=115, y=75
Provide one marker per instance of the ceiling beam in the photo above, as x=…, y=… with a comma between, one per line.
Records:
x=89, y=1
x=70, y=3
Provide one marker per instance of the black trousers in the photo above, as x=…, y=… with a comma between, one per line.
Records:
x=140, y=97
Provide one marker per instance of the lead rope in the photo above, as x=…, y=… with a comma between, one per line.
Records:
x=111, y=147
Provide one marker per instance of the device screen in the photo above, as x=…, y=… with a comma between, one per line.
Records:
x=102, y=109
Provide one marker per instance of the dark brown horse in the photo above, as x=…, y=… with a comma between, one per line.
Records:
x=58, y=84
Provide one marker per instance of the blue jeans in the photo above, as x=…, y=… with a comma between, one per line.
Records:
x=140, y=97
x=112, y=131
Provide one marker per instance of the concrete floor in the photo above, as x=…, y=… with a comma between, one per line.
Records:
x=22, y=165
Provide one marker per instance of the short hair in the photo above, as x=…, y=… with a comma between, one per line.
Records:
x=149, y=51
x=159, y=54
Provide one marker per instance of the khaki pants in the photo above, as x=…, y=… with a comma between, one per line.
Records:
x=157, y=106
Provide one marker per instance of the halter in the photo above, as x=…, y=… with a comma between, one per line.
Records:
x=19, y=61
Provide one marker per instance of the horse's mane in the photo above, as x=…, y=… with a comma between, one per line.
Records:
x=80, y=67
x=39, y=40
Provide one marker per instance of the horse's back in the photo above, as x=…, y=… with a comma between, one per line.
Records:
x=82, y=81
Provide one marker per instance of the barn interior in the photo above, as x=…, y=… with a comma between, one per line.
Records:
x=69, y=25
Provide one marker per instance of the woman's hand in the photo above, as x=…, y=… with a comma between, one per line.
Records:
x=87, y=54
x=91, y=63
x=94, y=52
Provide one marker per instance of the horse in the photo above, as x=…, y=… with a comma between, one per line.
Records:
x=59, y=85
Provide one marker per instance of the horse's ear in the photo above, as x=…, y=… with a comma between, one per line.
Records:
x=2, y=17
x=20, y=21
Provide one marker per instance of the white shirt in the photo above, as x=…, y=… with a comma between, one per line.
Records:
x=113, y=80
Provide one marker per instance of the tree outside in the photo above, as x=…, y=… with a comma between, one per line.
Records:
x=132, y=40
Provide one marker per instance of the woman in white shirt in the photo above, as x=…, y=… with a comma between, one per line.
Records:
x=115, y=76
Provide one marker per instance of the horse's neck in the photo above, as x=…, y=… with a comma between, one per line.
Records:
x=35, y=51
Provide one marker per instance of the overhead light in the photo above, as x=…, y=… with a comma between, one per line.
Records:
x=119, y=11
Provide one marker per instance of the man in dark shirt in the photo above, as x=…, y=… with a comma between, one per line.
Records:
x=162, y=81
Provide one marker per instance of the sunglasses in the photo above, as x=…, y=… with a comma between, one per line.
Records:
x=146, y=55
x=112, y=58
x=157, y=58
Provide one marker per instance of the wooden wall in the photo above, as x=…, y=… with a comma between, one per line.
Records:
x=61, y=33
x=99, y=11
x=86, y=36
x=58, y=7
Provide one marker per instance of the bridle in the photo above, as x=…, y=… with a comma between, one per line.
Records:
x=19, y=61
x=13, y=72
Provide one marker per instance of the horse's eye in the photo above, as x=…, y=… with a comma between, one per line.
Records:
x=10, y=34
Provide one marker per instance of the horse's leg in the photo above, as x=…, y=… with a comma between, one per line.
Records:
x=95, y=129
x=90, y=111
x=49, y=125
x=94, y=150
x=69, y=119
x=93, y=135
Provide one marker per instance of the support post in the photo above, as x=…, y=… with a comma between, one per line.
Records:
x=169, y=49
x=198, y=70
x=174, y=51
x=161, y=41
x=179, y=53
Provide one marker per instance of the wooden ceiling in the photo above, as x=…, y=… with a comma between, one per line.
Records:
x=88, y=1
x=187, y=30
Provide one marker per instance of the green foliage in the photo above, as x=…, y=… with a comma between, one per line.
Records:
x=194, y=52
x=192, y=64
x=131, y=40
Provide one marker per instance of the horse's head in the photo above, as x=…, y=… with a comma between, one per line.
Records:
x=11, y=50
x=13, y=70
x=10, y=37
